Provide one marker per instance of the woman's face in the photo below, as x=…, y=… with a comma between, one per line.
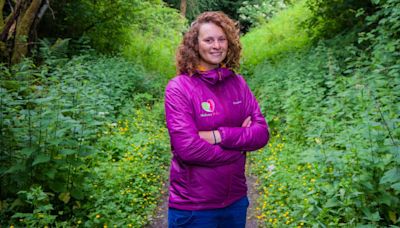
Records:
x=213, y=45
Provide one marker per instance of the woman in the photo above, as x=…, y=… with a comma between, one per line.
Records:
x=212, y=118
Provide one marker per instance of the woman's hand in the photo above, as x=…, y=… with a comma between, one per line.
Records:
x=214, y=137
x=247, y=122
x=209, y=136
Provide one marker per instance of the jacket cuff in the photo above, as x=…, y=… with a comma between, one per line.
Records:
x=222, y=133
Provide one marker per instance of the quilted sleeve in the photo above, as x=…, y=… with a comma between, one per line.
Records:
x=247, y=138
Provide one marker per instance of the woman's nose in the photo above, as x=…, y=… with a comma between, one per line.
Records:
x=216, y=45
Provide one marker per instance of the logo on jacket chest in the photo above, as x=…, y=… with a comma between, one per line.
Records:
x=209, y=107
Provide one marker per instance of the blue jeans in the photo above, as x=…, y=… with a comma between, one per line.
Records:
x=233, y=216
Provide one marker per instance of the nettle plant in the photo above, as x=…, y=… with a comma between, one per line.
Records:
x=338, y=110
x=51, y=118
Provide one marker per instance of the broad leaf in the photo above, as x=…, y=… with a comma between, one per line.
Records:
x=391, y=176
x=41, y=158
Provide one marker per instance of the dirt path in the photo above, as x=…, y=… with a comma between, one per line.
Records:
x=252, y=193
x=161, y=218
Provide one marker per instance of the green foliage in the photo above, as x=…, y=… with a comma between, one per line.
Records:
x=257, y=12
x=281, y=34
x=107, y=23
x=330, y=18
x=196, y=7
x=41, y=215
x=154, y=48
x=334, y=155
x=83, y=138
x=52, y=117
x=127, y=179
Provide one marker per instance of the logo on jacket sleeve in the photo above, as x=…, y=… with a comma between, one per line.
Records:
x=208, y=106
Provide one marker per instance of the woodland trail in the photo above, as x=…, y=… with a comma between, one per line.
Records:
x=160, y=220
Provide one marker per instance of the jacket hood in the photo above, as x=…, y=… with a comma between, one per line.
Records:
x=215, y=75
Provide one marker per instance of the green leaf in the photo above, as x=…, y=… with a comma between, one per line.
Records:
x=332, y=203
x=51, y=173
x=65, y=197
x=58, y=186
x=41, y=158
x=385, y=198
x=373, y=217
x=365, y=226
x=86, y=151
x=77, y=194
x=15, y=168
x=28, y=151
x=44, y=100
x=68, y=151
x=391, y=176
x=396, y=153
x=392, y=216
x=396, y=186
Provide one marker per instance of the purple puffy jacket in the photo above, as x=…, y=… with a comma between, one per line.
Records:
x=206, y=176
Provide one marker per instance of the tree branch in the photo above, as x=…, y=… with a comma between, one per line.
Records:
x=23, y=29
x=10, y=20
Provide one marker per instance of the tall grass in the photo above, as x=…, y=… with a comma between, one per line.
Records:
x=281, y=34
x=154, y=42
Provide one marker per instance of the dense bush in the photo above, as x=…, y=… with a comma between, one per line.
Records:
x=107, y=23
x=52, y=118
x=281, y=34
x=127, y=179
x=337, y=16
x=145, y=32
x=154, y=46
x=334, y=156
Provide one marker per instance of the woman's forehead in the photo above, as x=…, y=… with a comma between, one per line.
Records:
x=210, y=29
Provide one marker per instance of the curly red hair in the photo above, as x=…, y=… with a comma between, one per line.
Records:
x=188, y=57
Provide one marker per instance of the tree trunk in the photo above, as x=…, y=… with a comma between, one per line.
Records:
x=183, y=8
x=2, y=44
x=2, y=2
x=24, y=25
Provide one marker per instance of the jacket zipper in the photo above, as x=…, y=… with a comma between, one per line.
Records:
x=225, y=112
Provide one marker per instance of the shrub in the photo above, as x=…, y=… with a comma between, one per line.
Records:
x=282, y=34
x=154, y=41
x=52, y=116
x=335, y=145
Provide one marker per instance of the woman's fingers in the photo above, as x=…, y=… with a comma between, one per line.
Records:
x=247, y=122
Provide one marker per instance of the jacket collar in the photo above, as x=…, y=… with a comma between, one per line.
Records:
x=215, y=75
